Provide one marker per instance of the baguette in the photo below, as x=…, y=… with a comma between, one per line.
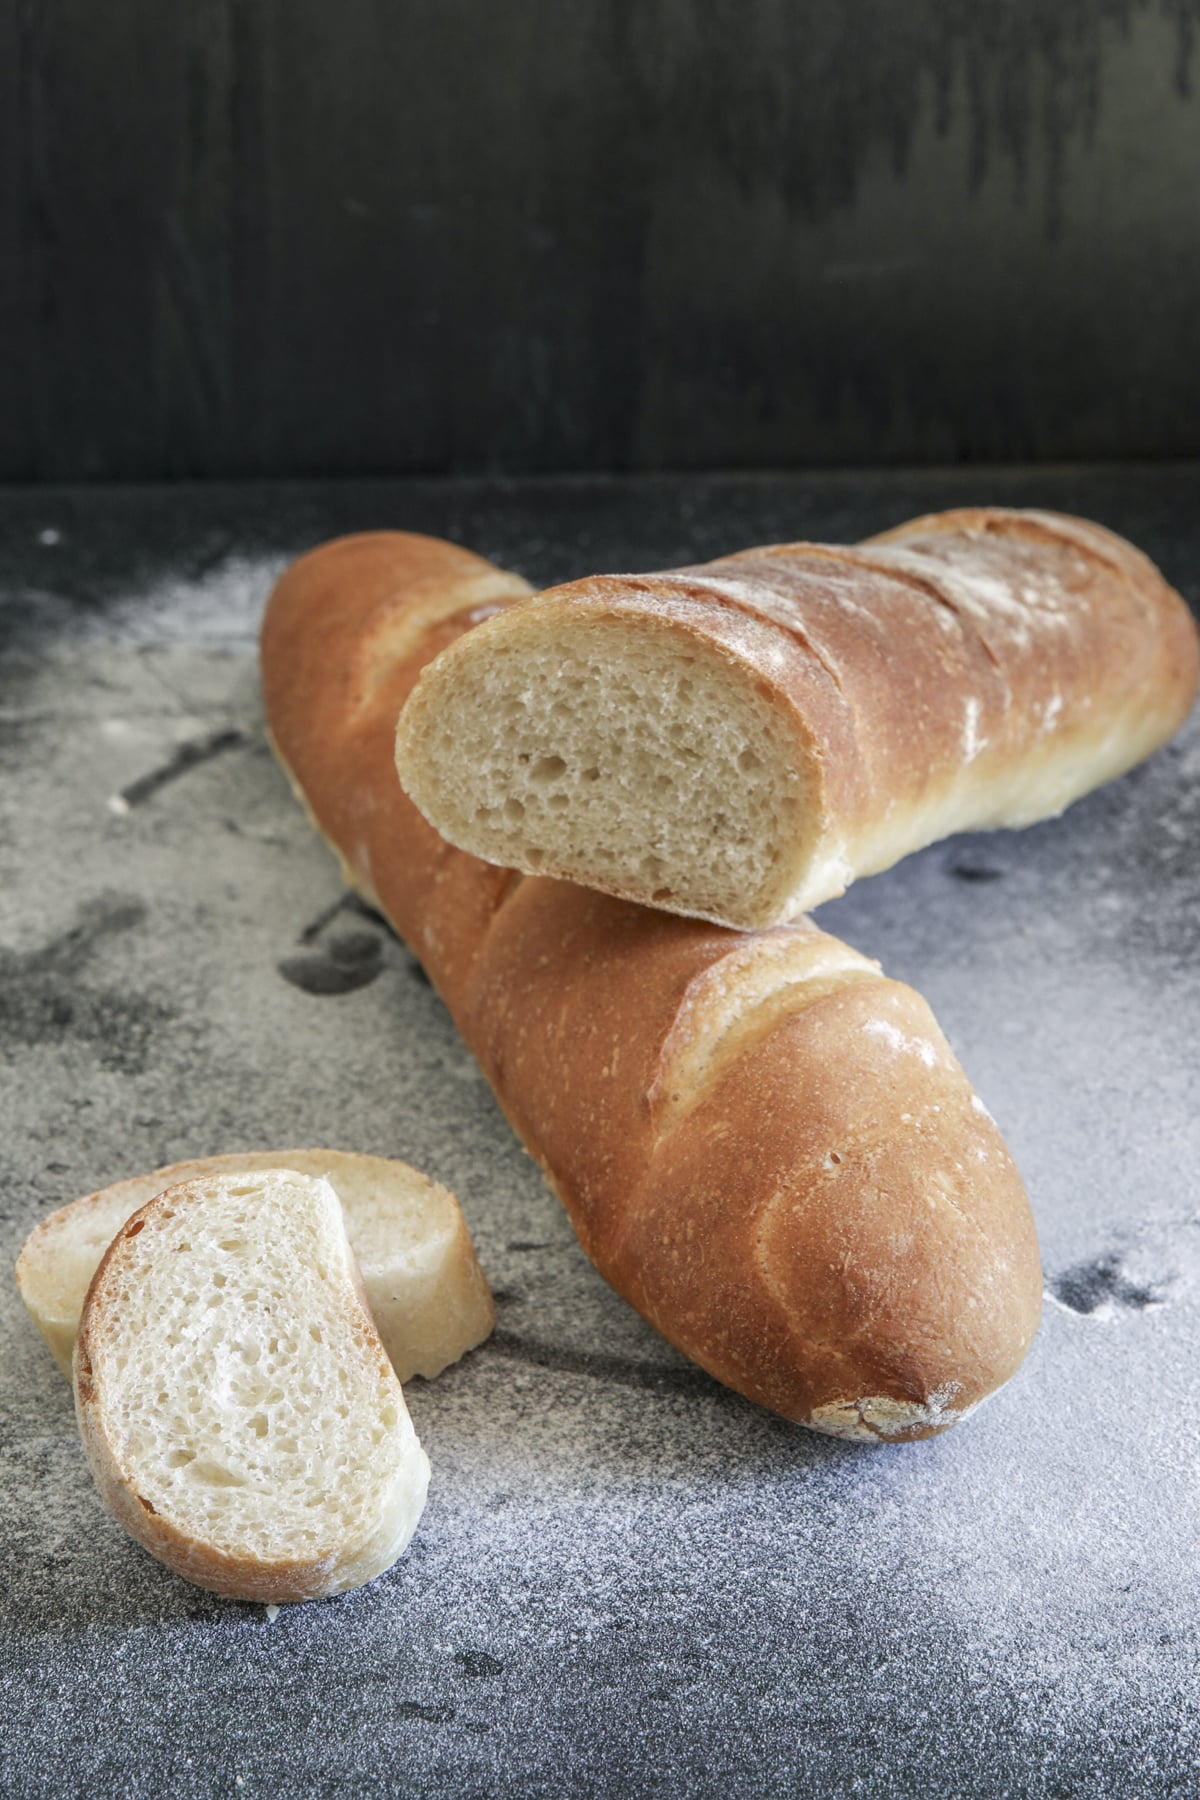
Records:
x=740, y=741
x=428, y=1296
x=766, y=1146
x=238, y=1412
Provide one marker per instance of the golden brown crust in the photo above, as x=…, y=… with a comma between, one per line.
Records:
x=880, y=1296
x=328, y=611
x=974, y=669
x=866, y=1203
x=983, y=667
x=1087, y=641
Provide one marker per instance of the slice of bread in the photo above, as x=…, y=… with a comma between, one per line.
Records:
x=429, y=1297
x=238, y=1411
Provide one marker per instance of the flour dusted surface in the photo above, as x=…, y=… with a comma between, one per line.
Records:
x=625, y=1581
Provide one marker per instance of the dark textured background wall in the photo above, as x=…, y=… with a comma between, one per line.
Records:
x=283, y=236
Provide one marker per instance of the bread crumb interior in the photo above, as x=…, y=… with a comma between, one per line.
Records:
x=641, y=763
x=242, y=1378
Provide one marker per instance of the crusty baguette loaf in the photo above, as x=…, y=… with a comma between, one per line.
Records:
x=739, y=741
x=428, y=1296
x=763, y=1144
x=238, y=1411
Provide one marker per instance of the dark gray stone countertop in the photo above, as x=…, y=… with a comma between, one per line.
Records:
x=627, y=1580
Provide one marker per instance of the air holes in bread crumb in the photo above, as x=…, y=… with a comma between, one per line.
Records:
x=547, y=769
x=213, y=1475
x=677, y=745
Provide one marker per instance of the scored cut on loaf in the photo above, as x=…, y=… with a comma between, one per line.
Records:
x=762, y=1143
x=740, y=740
x=428, y=1295
x=239, y=1414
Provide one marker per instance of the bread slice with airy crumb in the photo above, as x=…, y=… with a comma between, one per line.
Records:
x=428, y=1295
x=238, y=1410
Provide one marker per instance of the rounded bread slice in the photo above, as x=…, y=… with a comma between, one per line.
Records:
x=238, y=1411
x=428, y=1295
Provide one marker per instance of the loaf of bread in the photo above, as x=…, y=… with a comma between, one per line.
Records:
x=766, y=1146
x=428, y=1296
x=238, y=1411
x=741, y=740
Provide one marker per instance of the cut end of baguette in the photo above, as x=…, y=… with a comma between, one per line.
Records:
x=238, y=1411
x=633, y=756
x=428, y=1295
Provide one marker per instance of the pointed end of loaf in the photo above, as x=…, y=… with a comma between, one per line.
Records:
x=856, y=1249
